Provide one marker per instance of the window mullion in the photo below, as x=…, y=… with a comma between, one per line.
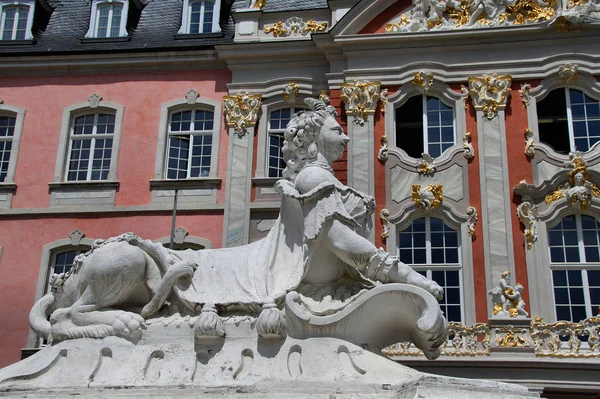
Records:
x=580, y=244
x=109, y=22
x=92, y=147
x=570, y=119
x=427, y=240
x=425, y=127
x=586, y=293
x=15, y=24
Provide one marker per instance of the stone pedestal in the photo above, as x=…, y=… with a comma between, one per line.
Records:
x=511, y=335
x=169, y=362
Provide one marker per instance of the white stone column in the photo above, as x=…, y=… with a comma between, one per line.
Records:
x=489, y=95
x=241, y=112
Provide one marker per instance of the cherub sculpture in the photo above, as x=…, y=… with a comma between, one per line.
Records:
x=316, y=249
x=507, y=300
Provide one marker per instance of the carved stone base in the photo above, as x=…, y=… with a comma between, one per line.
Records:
x=511, y=335
x=170, y=362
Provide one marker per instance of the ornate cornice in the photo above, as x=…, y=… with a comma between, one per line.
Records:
x=241, y=111
x=489, y=93
x=360, y=98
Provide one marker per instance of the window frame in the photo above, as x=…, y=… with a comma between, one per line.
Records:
x=30, y=4
x=93, y=138
x=585, y=83
x=429, y=267
x=294, y=108
x=191, y=189
x=189, y=133
x=442, y=92
x=186, y=17
x=8, y=186
x=69, y=115
x=426, y=124
x=92, y=32
x=583, y=266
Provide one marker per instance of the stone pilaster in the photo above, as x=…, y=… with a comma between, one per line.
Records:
x=489, y=95
x=361, y=99
x=241, y=112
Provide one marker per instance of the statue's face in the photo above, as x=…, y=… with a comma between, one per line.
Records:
x=332, y=140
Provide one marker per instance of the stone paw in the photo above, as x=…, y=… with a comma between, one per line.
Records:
x=436, y=290
x=129, y=325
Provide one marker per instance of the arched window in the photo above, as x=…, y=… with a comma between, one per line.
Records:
x=90, y=147
x=200, y=16
x=278, y=121
x=190, y=144
x=425, y=124
x=575, y=262
x=7, y=133
x=432, y=248
x=569, y=120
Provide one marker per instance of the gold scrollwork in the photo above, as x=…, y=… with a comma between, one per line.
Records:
x=314, y=27
x=547, y=338
x=523, y=11
x=277, y=29
x=427, y=197
x=489, y=93
x=463, y=341
x=361, y=98
x=512, y=337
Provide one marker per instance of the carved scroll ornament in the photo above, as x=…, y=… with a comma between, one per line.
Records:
x=427, y=197
x=471, y=221
x=468, y=150
x=489, y=93
x=241, y=111
x=361, y=99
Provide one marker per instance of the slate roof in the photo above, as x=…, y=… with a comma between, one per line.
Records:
x=155, y=27
x=293, y=5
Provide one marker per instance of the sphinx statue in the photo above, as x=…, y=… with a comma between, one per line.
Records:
x=317, y=249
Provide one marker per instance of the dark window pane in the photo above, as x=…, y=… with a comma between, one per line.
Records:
x=576, y=295
x=406, y=256
x=439, y=277
x=437, y=256
x=575, y=279
x=572, y=254
x=452, y=278
x=454, y=314
x=409, y=126
x=560, y=278
x=594, y=277
x=557, y=255
x=563, y=313
x=579, y=313
x=452, y=255
x=420, y=256
x=552, y=121
x=561, y=296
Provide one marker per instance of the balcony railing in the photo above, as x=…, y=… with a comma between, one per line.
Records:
x=563, y=339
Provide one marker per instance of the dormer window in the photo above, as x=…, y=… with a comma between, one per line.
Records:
x=17, y=18
x=200, y=16
x=108, y=19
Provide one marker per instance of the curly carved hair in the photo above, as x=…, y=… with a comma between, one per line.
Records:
x=301, y=134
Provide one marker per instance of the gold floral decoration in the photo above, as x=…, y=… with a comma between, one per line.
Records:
x=523, y=11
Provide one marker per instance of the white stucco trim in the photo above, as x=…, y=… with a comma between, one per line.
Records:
x=185, y=16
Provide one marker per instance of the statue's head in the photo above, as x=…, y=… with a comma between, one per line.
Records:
x=309, y=133
x=506, y=274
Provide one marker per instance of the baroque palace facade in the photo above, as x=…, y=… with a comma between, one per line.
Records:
x=474, y=124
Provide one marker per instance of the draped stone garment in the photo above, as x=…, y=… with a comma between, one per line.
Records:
x=269, y=268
